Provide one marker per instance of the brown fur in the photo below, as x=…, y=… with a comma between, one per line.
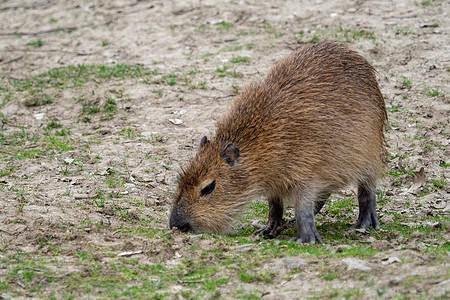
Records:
x=315, y=121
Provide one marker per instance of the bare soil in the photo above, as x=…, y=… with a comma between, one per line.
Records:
x=89, y=160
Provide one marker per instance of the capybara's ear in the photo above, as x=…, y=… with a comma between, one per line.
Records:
x=230, y=154
x=204, y=141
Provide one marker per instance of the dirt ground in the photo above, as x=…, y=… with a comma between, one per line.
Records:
x=101, y=102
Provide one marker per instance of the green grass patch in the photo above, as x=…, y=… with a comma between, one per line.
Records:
x=426, y=3
x=36, y=43
x=392, y=108
x=129, y=132
x=223, y=72
x=329, y=274
x=76, y=76
x=434, y=93
x=347, y=35
x=399, y=172
x=38, y=100
x=406, y=82
x=340, y=207
x=169, y=79
x=202, y=27
x=224, y=25
x=240, y=59
x=231, y=48
x=444, y=164
x=59, y=143
x=439, y=183
x=6, y=171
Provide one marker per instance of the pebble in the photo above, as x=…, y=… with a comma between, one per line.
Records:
x=176, y=121
x=354, y=263
x=39, y=116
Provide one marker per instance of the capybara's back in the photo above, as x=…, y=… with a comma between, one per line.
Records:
x=312, y=126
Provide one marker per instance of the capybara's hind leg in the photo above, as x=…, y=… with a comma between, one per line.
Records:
x=367, y=202
x=305, y=206
x=321, y=202
x=276, y=222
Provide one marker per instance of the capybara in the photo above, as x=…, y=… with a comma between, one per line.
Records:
x=314, y=125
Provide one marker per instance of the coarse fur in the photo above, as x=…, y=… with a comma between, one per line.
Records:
x=312, y=126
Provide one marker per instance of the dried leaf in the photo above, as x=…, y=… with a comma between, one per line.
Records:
x=420, y=177
x=390, y=260
x=418, y=182
x=400, y=164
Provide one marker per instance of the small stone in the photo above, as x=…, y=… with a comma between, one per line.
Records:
x=293, y=263
x=214, y=22
x=130, y=253
x=180, y=112
x=256, y=224
x=39, y=116
x=176, y=121
x=245, y=247
x=341, y=248
x=354, y=263
x=68, y=160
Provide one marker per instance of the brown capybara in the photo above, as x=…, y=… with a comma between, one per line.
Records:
x=314, y=125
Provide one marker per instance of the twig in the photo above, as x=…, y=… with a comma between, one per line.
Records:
x=125, y=6
x=3, y=230
x=6, y=152
x=41, y=32
x=31, y=6
x=130, y=253
x=223, y=97
x=64, y=275
x=11, y=60
x=20, y=284
x=190, y=281
x=35, y=269
x=49, y=50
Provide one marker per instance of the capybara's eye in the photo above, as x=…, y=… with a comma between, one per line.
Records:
x=208, y=189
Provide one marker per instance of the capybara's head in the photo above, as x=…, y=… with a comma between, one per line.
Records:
x=208, y=195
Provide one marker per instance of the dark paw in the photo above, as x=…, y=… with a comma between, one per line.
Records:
x=272, y=229
x=368, y=220
x=312, y=237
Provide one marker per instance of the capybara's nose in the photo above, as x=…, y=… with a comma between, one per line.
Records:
x=184, y=227
x=178, y=221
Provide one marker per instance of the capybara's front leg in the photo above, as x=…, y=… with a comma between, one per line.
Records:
x=275, y=222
